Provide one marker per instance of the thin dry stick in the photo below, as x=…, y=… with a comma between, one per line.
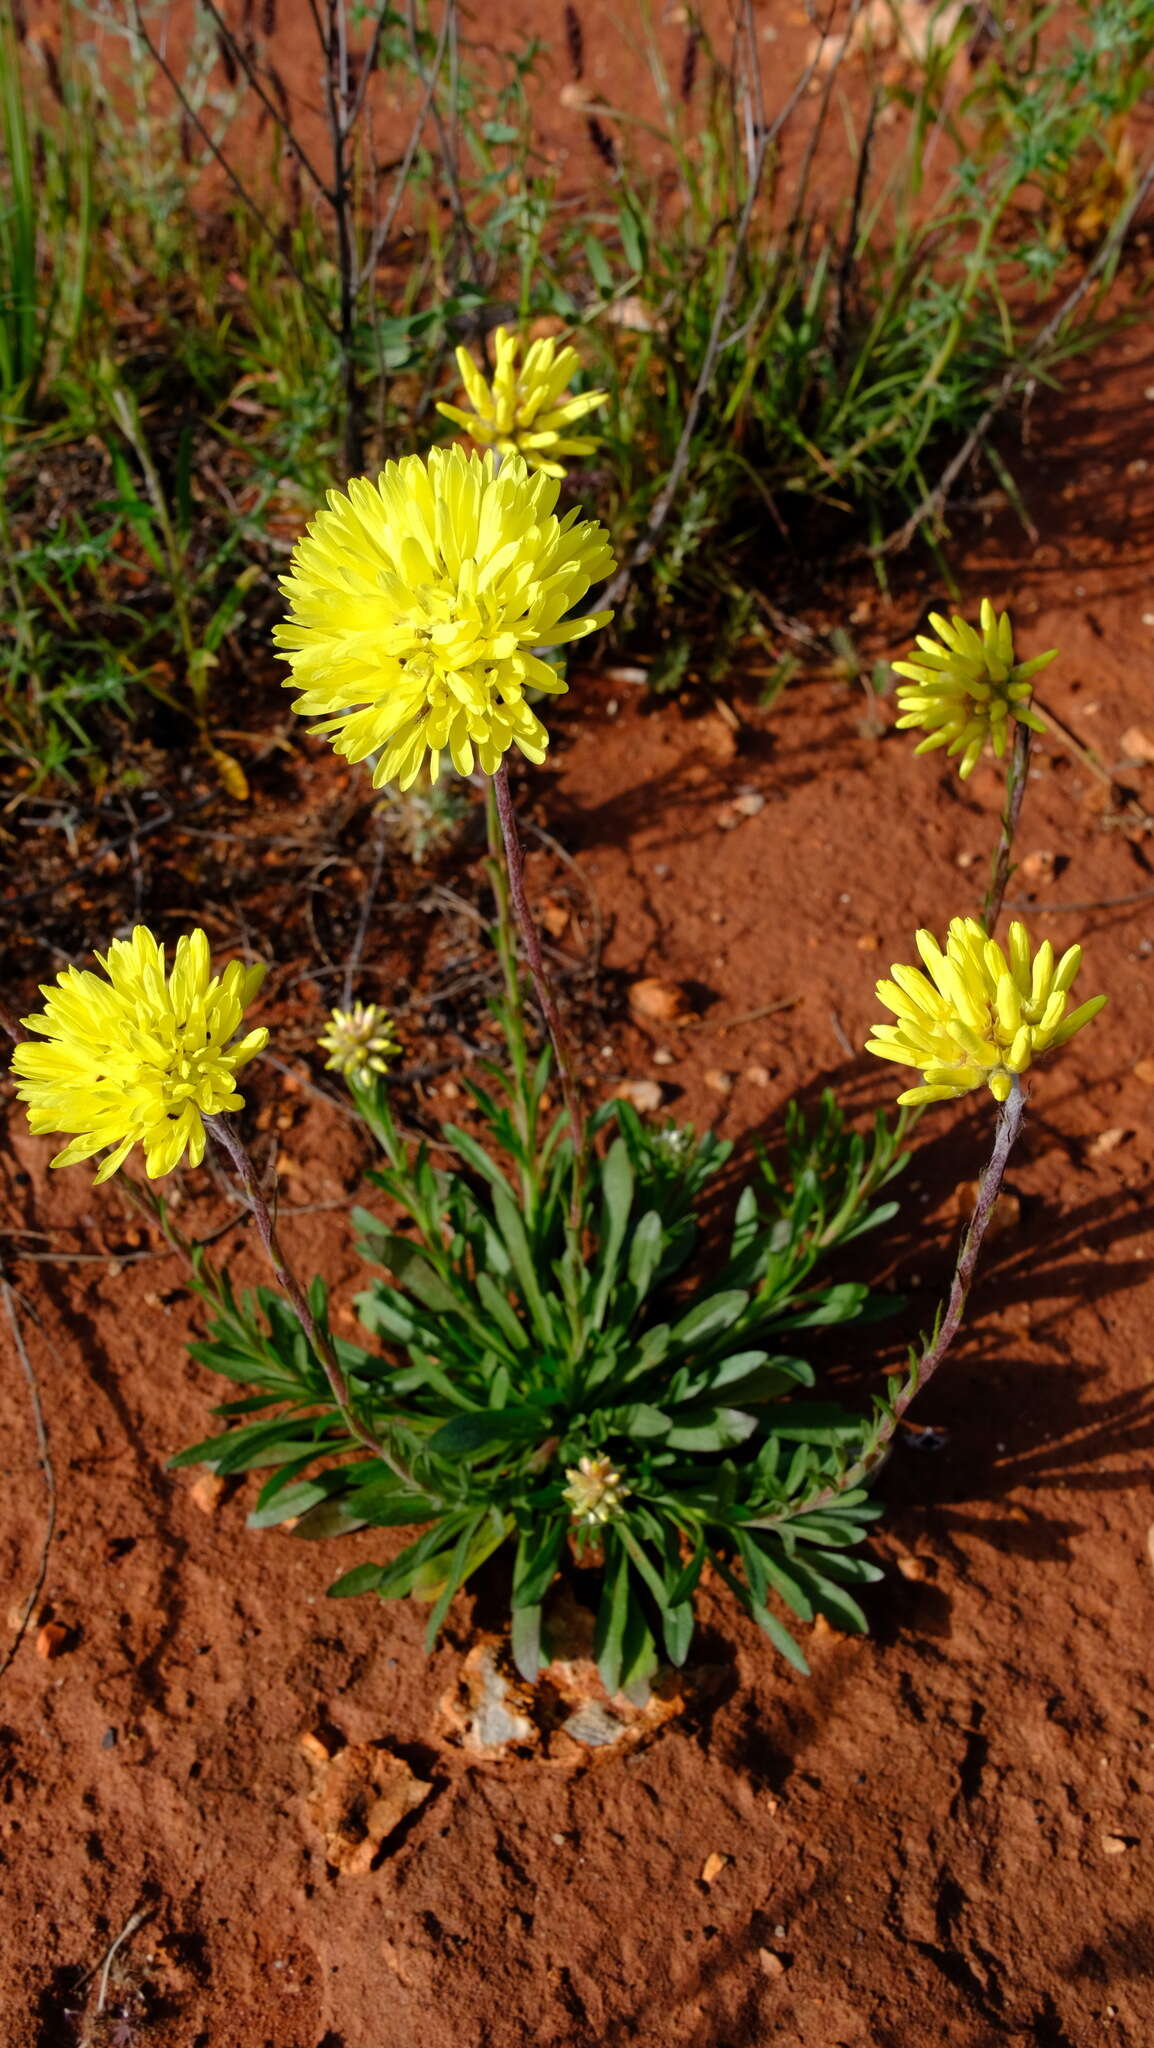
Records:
x=530, y=939
x=760, y=141
x=1016, y=775
x=335, y=47
x=228, y=1138
x=448, y=151
x=262, y=220
x=934, y=503
x=384, y=227
x=1098, y=903
x=279, y=118
x=362, y=931
x=132, y=1925
x=45, y=1456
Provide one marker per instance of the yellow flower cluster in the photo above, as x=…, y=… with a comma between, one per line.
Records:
x=524, y=411
x=595, y=1492
x=966, y=687
x=139, y=1058
x=977, y=1016
x=360, y=1042
x=417, y=603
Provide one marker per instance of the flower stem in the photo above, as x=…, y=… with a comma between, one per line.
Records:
x=1016, y=775
x=228, y=1138
x=1006, y=1133
x=934, y=1348
x=530, y=939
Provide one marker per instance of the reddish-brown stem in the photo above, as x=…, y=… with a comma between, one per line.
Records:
x=923, y=1368
x=1016, y=775
x=530, y=939
x=228, y=1138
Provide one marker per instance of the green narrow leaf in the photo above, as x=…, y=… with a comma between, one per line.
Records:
x=364, y=1578
x=617, y=1184
x=407, y=1263
x=609, y=1632
x=482, y=1428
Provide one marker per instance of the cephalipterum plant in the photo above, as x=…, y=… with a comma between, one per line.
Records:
x=548, y=1367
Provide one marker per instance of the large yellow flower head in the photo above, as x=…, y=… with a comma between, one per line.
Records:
x=524, y=411
x=139, y=1058
x=966, y=687
x=360, y=1043
x=977, y=1016
x=416, y=604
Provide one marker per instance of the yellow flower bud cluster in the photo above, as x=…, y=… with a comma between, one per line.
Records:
x=977, y=1016
x=360, y=1043
x=524, y=411
x=965, y=687
x=595, y=1492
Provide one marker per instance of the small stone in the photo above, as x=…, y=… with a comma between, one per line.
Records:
x=912, y=1568
x=628, y=674
x=1143, y=1071
x=314, y=1746
x=18, y=1619
x=359, y=1799
x=749, y=803
x=965, y=860
x=718, y=736
x=718, y=1080
x=659, y=1002
x=1108, y=1141
x=663, y=1057
x=489, y=1706
x=1039, y=867
x=757, y=1076
x=207, y=1492
x=53, y=1640
x=868, y=942
x=1150, y=1542
x=713, y=1866
x=771, y=1964
x=1114, y=1845
x=644, y=1095
x=555, y=917
x=1138, y=745
x=108, y=1739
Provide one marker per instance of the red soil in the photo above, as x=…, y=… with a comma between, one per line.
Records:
x=944, y=1836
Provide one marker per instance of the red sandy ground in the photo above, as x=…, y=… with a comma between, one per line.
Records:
x=943, y=1838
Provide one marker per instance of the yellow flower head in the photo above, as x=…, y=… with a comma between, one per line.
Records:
x=595, y=1492
x=416, y=604
x=140, y=1058
x=361, y=1042
x=524, y=411
x=977, y=1016
x=965, y=690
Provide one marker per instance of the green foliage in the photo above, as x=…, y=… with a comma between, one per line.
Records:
x=45, y=225
x=811, y=359
x=852, y=348
x=534, y=1314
